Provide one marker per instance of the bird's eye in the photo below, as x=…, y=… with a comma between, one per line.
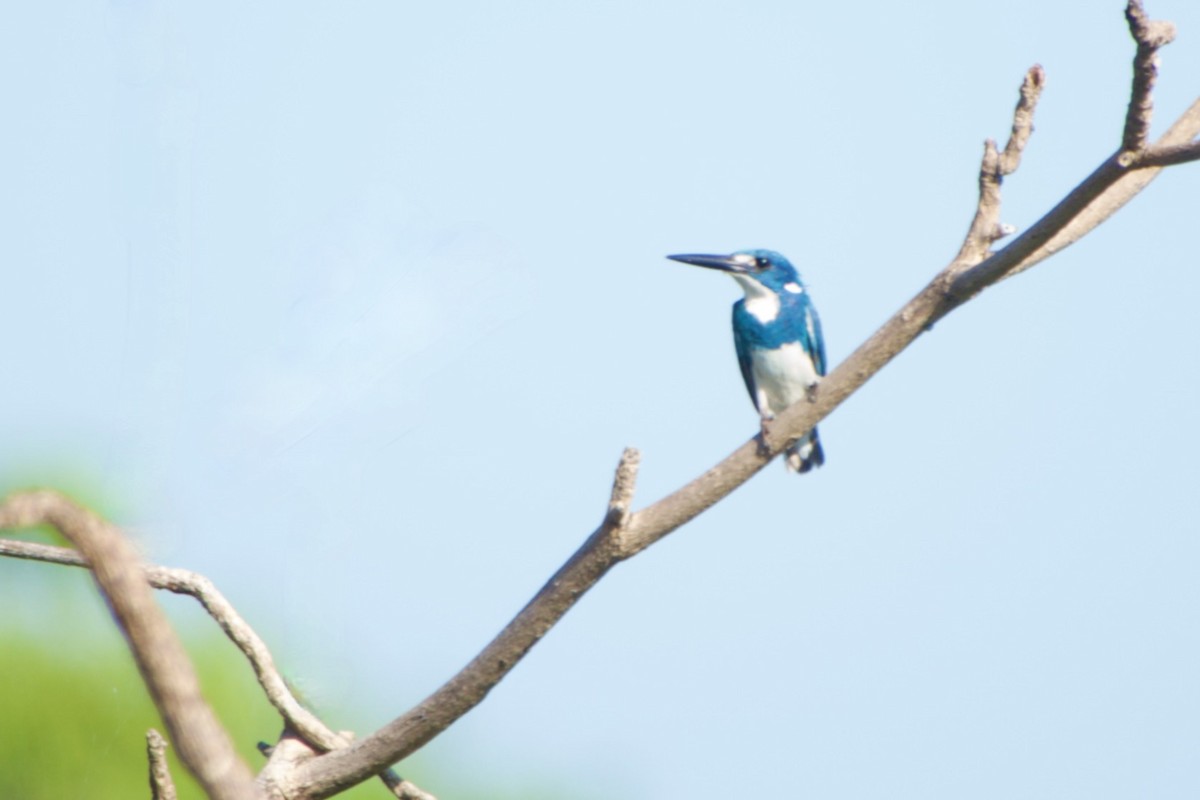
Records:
x=762, y=263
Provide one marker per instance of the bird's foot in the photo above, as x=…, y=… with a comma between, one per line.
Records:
x=764, y=431
x=811, y=392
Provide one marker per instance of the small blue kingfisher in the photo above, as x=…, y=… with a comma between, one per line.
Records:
x=777, y=335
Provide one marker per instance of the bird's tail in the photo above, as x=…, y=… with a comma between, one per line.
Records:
x=805, y=453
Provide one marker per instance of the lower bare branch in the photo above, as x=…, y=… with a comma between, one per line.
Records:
x=180, y=581
x=161, y=785
x=203, y=745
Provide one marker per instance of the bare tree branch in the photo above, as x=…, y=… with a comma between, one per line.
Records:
x=161, y=785
x=1150, y=35
x=297, y=770
x=180, y=581
x=972, y=270
x=203, y=745
x=986, y=227
x=1022, y=127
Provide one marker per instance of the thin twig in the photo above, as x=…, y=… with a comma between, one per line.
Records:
x=161, y=785
x=182, y=581
x=244, y=637
x=986, y=228
x=1150, y=36
x=1022, y=127
x=624, y=483
x=201, y=741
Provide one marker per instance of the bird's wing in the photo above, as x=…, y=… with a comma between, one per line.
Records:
x=814, y=341
x=742, y=345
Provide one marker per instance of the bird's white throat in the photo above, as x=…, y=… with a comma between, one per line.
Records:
x=761, y=302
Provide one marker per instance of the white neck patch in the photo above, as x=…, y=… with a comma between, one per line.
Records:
x=793, y=287
x=761, y=302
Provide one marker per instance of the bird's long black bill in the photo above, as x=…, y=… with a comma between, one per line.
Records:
x=723, y=263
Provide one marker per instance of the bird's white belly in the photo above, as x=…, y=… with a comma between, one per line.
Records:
x=782, y=377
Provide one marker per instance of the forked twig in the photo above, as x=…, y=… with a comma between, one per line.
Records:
x=161, y=785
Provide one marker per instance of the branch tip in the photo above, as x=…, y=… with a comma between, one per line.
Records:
x=986, y=227
x=1022, y=125
x=161, y=785
x=1035, y=81
x=1150, y=32
x=624, y=484
x=1150, y=35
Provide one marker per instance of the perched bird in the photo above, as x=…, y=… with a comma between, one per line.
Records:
x=778, y=339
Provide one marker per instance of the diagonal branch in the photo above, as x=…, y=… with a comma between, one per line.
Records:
x=973, y=270
x=203, y=745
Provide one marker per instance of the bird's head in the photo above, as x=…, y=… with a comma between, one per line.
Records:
x=756, y=270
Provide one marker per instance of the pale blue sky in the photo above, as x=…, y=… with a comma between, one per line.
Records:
x=354, y=307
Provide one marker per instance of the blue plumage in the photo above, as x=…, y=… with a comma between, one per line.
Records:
x=777, y=335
